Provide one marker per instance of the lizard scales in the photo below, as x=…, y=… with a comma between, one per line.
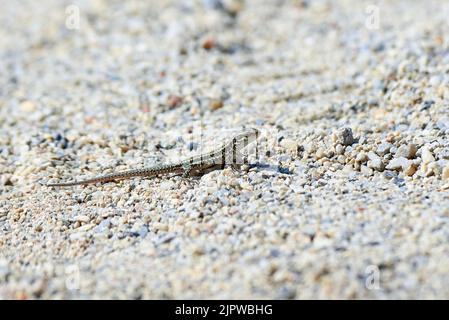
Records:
x=227, y=154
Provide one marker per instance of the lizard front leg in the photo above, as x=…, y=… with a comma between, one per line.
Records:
x=187, y=169
x=241, y=166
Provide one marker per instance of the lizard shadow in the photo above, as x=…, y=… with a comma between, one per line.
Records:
x=270, y=167
x=257, y=165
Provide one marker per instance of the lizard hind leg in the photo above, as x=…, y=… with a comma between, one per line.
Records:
x=194, y=173
x=203, y=171
x=235, y=166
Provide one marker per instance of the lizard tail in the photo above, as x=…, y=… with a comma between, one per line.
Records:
x=105, y=178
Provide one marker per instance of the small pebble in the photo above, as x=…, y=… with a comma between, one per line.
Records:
x=82, y=218
x=384, y=148
x=290, y=145
x=344, y=136
x=406, y=151
x=174, y=102
x=427, y=156
x=216, y=104
x=445, y=174
x=375, y=162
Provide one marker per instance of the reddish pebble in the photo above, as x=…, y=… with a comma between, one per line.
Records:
x=174, y=101
x=208, y=44
x=216, y=104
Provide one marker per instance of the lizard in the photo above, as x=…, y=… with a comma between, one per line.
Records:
x=228, y=154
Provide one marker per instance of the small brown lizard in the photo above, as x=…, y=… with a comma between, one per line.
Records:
x=228, y=153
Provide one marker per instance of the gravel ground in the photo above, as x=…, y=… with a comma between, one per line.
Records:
x=350, y=197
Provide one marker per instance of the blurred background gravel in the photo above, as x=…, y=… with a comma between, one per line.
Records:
x=352, y=199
